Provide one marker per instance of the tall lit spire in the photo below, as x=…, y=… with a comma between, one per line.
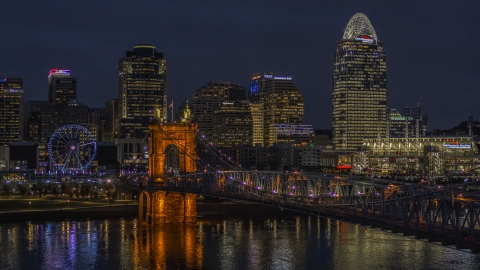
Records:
x=359, y=25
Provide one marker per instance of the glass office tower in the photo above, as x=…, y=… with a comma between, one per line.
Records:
x=280, y=103
x=359, y=86
x=142, y=87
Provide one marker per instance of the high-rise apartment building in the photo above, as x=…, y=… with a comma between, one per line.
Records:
x=142, y=87
x=359, y=86
x=281, y=103
x=62, y=90
x=208, y=99
x=11, y=110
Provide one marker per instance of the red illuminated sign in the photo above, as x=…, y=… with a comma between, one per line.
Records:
x=58, y=71
x=344, y=167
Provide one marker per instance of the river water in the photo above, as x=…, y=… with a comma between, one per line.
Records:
x=285, y=241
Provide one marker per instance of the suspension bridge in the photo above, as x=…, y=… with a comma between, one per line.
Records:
x=449, y=215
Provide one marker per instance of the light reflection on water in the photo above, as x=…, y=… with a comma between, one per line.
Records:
x=287, y=242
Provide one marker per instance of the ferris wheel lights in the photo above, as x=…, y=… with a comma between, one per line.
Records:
x=71, y=147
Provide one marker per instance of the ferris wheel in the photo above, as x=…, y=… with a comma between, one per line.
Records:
x=71, y=148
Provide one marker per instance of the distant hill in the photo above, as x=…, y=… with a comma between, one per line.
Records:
x=460, y=129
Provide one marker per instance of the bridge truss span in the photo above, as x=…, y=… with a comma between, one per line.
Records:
x=412, y=209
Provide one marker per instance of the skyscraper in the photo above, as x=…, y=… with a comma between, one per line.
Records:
x=232, y=124
x=359, y=86
x=11, y=111
x=62, y=90
x=142, y=87
x=208, y=99
x=281, y=101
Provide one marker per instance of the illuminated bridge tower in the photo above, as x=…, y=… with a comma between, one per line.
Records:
x=172, y=146
x=359, y=86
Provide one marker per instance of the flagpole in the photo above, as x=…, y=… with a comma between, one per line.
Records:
x=172, y=109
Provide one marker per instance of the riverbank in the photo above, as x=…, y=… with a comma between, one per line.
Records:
x=114, y=211
x=70, y=210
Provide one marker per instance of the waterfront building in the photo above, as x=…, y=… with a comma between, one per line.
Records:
x=11, y=112
x=295, y=134
x=279, y=100
x=209, y=99
x=336, y=161
x=62, y=90
x=308, y=157
x=232, y=124
x=431, y=156
x=359, y=86
x=142, y=87
x=133, y=152
x=106, y=157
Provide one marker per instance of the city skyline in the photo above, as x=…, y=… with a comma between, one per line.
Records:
x=425, y=45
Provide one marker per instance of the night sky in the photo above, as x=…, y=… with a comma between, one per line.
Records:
x=433, y=55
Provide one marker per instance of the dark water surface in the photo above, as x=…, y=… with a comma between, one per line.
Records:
x=283, y=242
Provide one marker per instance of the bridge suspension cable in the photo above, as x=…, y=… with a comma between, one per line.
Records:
x=207, y=146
